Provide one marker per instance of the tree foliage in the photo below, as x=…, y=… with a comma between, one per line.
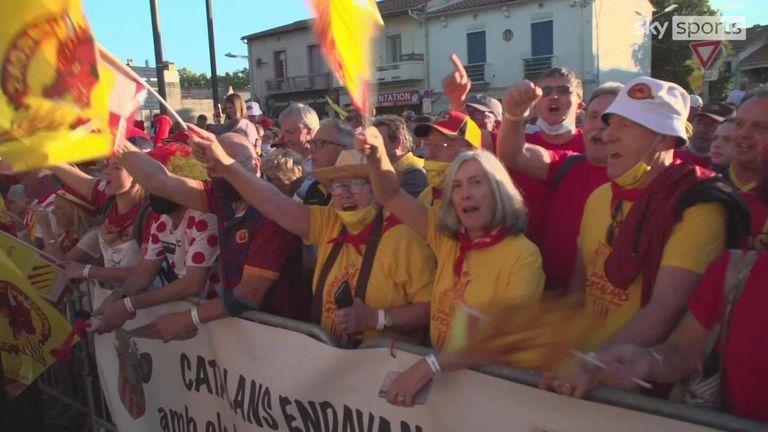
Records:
x=239, y=80
x=669, y=57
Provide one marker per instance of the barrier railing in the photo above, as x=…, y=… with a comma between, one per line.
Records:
x=605, y=395
x=311, y=330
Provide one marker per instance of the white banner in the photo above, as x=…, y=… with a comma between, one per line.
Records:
x=236, y=375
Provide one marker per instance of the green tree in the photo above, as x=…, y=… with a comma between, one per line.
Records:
x=669, y=57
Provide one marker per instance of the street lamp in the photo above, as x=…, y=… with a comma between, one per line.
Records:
x=669, y=8
x=230, y=55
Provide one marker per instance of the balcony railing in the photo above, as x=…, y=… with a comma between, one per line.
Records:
x=299, y=83
x=409, y=68
x=478, y=73
x=534, y=66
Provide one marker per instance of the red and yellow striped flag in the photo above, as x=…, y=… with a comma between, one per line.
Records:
x=53, y=91
x=345, y=30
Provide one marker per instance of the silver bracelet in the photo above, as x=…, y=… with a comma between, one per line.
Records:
x=658, y=356
x=195, y=317
x=433, y=364
x=87, y=271
x=129, y=305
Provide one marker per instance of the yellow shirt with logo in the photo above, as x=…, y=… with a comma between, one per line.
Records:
x=695, y=241
x=509, y=271
x=425, y=197
x=402, y=273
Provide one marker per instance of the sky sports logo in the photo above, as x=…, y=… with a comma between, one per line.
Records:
x=697, y=28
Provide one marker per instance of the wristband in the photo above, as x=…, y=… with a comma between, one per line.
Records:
x=129, y=305
x=87, y=271
x=513, y=118
x=382, y=320
x=195, y=317
x=433, y=364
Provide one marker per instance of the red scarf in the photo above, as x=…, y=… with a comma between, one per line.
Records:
x=639, y=244
x=466, y=244
x=361, y=238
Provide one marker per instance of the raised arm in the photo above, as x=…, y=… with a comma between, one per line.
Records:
x=272, y=203
x=456, y=84
x=386, y=186
x=512, y=149
x=153, y=177
x=81, y=182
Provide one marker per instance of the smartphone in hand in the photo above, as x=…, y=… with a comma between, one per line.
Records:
x=343, y=296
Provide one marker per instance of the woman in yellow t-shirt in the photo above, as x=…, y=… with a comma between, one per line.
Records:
x=483, y=258
x=402, y=269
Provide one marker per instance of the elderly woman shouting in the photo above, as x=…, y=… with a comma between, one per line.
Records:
x=373, y=275
x=483, y=258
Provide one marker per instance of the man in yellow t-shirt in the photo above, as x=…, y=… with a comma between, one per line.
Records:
x=647, y=237
x=446, y=138
x=399, y=145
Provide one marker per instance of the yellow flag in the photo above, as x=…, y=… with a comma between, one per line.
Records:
x=53, y=92
x=29, y=329
x=345, y=30
x=534, y=335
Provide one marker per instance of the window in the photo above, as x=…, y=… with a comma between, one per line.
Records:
x=541, y=39
x=476, y=47
x=316, y=62
x=280, y=67
x=394, y=48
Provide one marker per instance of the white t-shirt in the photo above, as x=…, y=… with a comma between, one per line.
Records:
x=194, y=243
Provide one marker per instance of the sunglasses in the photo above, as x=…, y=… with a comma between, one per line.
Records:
x=561, y=90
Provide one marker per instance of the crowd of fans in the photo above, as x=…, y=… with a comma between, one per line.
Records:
x=383, y=226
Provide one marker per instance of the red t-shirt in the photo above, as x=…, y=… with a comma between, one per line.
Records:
x=537, y=194
x=251, y=243
x=758, y=230
x=558, y=247
x=686, y=155
x=745, y=353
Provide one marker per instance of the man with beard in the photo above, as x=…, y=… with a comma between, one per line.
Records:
x=183, y=248
x=571, y=176
x=260, y=261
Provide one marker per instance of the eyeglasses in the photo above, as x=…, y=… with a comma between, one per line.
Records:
x=440, y=145
x=354, y=185
x=320, y=143
x=561, y=90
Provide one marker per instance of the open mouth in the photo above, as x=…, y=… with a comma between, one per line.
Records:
x=468, y=210
x=553, y=108
x=349, y=207
x=614, y=156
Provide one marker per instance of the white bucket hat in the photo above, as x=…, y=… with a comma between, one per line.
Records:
x=658, y=105
x=253, y=109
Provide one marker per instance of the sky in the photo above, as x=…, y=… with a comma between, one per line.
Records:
x=124, y=27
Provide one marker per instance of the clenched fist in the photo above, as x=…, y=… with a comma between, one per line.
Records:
x=519, y=98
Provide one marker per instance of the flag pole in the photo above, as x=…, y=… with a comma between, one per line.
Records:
x=117, y=64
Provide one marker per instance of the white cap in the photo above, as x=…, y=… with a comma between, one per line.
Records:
x=696, y=101
x=658, y=105
x=253, y=108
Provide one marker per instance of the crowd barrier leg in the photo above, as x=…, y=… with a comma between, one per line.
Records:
x=72, y=383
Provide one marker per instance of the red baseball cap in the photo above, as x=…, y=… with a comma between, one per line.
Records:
x=454, y=124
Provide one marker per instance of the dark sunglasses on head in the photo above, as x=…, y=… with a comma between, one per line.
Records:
x=561, y=90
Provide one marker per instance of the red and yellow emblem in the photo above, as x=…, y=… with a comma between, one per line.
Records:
x=53, y=95
x=640, y=91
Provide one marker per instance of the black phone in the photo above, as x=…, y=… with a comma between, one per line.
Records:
x=343, y=296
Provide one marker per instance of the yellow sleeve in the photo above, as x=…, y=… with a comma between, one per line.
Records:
x=596, y=198
x=414, y=265
x=435, y=238
x=526, y=275
x=697, y=239
x=321, y=221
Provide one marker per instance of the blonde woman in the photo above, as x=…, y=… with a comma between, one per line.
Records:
x=483, y=258
x=75, y=217
x=236, y=121
x=283, y=168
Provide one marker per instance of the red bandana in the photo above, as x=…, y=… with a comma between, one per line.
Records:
x=624, y=195
x=356, y=240
x=437, y=193
x=466, y=245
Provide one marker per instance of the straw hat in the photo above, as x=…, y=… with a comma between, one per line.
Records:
x=351, y=163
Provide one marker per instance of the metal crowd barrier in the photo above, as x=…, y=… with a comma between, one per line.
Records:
x=59, y=379
x=605, y=395
x=75, y=383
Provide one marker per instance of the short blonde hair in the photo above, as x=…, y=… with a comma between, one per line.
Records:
x=509, y=209
x=283, y=163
